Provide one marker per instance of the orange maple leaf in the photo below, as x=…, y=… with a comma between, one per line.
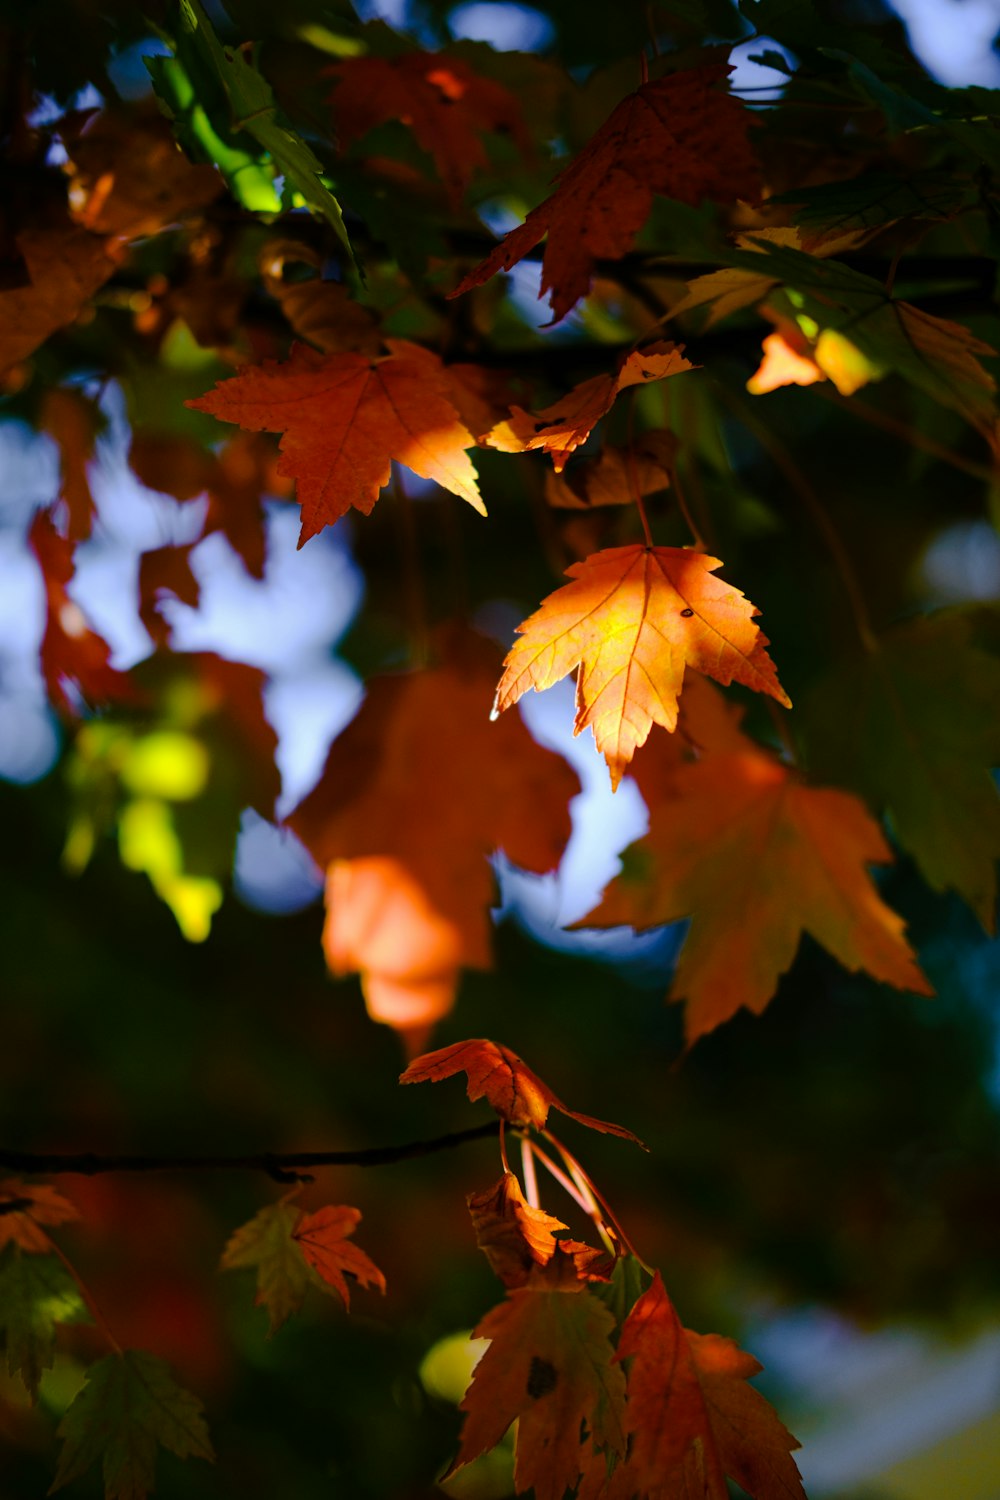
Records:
x=40, y=1205
x=562, y=427
x=681, y=136
x=345, y=417
x=414, y=798
x=549, y=1364
x=513, y=1235
x=754, y=857
x=497, y=1074
x=632, y=620
x=71, y=651
x=437, y=96
x=691, y=1416
x=323, y=1239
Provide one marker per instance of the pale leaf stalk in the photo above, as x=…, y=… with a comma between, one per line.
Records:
x=528, y=1170
x=588, y=1187
x=584, y=1201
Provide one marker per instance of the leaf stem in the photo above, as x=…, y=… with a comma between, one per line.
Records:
x=684, y=508
x=588, y=1187
x=100, y=1321
x=583, y=1199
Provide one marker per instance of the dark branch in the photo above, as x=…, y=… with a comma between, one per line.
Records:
x=282, y=1166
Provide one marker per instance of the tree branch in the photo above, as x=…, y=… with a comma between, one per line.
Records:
x=281, y=1166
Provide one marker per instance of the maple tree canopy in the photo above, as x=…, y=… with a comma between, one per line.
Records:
x=408, y=435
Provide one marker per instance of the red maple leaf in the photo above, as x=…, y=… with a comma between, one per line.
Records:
x=681, y=136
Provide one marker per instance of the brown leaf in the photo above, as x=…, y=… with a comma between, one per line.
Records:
x=495, y=1073
x=72, y=422
x=167, y=570
x=128, y=176
x=562, y=427
x=437, y=96
x=616, y=476
x=72, y=653
x=66, y=267
x=512, y=1234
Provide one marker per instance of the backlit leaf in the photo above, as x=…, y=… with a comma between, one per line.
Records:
x=345, y=417
x=323, y=1238
x=549, y=1365
x=562, y=427
x=495, y=1073
x=632, y=621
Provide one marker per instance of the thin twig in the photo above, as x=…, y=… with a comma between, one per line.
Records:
x=281, y=1166
x=95, y=1312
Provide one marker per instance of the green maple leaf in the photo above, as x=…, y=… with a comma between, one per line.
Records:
x=204, y=71
x=129, y=1406
x=36, y=1294
x=265, y=1244
x=915, y=727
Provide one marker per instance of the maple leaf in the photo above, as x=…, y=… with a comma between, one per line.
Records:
x=167, y=570
x=681, y=136
x=71, y=421
x=437, y=96
x=265, y=1244
x=129, y=1406
x=128, y=177
x=632, y=620
x=37, y=1293
x=322, y=312
x=755, y=858
x=691, y=1416
x=65, y=268
x=616, y=476
x=512, y=1234
x=562, y=427
x=549, y=1364
x=730, y=288
x=345, y=417
x=291, y=1252
x=913, y=726
x=495, y=1073
x=41, y=1205
x=71, y=651
x=792, y=359
x=413, y=799
x=323, y=1239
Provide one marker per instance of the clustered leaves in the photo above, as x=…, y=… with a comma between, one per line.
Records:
x=372, y=335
